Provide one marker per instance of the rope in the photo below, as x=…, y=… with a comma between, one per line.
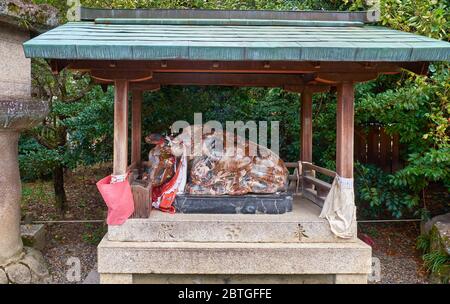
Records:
x=101, y=221
x=65, y=222
x=389, y=221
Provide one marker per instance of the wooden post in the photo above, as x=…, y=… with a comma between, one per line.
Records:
x=345, y=132
x=306, y=136
x=136, y=128
x=306, y=125
x=120, y=127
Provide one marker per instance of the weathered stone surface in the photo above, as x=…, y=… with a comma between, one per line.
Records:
x=426, y=227
x=443, y=230
x=15, y=74
x=35, y=261
x=3, y=277
x=93, y=277
x=233, y=279
x=10, y=192
x=116, y=278
x=438, y=231
x=302, y=225
x=30, y=267
x=350, y=279
x=18, y=273
x=245, y=204
x=38, y=17
x=233, y=258
x=33, y=235
x=19, y=114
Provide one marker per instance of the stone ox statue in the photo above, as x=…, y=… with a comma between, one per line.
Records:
x=215, y=168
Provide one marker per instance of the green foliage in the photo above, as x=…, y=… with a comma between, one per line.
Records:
x=425, y=17
x=41, y=191
x=423, y=242
x=226, y=4
x=90, y=130
x=436, y=259
x=435, y=262
x=88, y=127
x=418, y=111
x=377, y=196
x=94, y=234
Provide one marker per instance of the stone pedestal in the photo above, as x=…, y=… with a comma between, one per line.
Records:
x=295, y=247
x=17, y=265
x=17, y=112
x=10, y=192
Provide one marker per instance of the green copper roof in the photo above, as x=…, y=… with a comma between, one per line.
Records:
x=233, y=39
x=198, y=21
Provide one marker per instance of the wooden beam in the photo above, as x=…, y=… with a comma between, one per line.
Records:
x=312, y=86
x=224, y=79
x=120, y=160
x=345, y=132
x=243, y=66
x=306, y=125
x=136, y=127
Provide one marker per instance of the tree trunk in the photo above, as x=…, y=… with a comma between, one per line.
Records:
x=58, y=184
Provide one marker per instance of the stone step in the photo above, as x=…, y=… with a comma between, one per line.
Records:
x=302, y=225
x=233, y=258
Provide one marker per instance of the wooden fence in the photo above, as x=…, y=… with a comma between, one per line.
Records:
x=374, y=146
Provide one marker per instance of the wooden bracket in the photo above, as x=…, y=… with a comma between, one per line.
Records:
x=57, y=65
x=130, y=75
x=104, y=87
x=334, y=78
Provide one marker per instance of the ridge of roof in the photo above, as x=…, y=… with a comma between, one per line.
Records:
x=230, y=22
x=90, y=14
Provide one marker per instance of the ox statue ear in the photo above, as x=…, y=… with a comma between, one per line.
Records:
x=155, y=139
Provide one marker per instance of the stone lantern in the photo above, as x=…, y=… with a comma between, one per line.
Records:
x=18, y=111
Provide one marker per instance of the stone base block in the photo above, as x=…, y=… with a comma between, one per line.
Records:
x=33, y=236
x=246, y=262
x=29, y=268
x=302, y=225
x=233, y=279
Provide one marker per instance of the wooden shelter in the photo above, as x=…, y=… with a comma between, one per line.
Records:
x=304, y=52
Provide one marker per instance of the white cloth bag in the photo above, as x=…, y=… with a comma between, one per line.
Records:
x=339, y=207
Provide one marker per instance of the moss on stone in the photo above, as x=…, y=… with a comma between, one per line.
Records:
x=28, y=15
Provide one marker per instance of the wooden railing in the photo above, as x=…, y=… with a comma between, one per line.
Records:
x=304, y=181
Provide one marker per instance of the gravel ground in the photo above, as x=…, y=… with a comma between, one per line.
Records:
x=71, y=250
x=63, y=262
x=394, y=245
x=400, y=270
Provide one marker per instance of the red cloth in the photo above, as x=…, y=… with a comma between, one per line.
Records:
x=118, y=198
